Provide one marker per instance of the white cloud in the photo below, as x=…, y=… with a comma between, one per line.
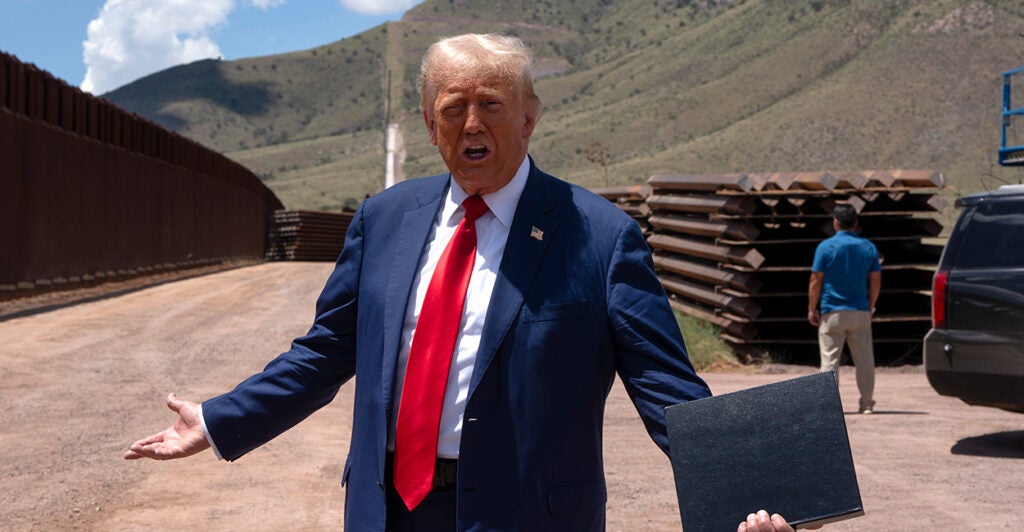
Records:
x=133, y=38
x=267, y=4
x=379, y=7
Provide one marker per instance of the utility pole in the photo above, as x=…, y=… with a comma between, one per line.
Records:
x=390, y=135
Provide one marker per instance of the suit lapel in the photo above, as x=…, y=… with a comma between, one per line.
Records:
x=412, y=235
x=519, y=264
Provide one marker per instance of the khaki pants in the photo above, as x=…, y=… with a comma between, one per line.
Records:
x=851, y=327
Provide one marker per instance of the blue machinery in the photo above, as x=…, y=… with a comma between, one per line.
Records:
x=1012, y=155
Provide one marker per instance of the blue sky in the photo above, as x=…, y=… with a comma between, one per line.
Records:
x=100, y=45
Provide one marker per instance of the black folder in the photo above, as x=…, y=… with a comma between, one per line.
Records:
x=780, y=447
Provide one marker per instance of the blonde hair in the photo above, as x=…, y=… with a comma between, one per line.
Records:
x=473, y=56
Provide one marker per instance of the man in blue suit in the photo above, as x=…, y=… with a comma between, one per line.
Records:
x=562, y=296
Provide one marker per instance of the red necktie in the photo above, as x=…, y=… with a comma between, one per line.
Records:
x=430, y=357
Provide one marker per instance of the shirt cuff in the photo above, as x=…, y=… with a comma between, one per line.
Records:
x=213, y=445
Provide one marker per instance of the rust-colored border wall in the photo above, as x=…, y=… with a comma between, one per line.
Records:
x=90, y=192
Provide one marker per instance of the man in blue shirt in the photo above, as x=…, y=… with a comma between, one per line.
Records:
x=846, y=278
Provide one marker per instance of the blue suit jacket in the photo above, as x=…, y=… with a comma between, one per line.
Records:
x=568, y=312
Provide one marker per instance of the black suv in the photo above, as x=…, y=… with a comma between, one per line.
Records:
x=975, y=349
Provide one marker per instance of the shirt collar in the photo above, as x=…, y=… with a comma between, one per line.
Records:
x=502, y=203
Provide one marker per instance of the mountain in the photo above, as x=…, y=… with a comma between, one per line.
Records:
x=640, y=87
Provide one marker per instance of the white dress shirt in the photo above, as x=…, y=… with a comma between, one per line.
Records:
x=491, y=234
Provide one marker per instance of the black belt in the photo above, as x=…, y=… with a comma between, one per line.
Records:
x=446, y=471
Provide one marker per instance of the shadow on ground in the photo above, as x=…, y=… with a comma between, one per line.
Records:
x=1008, y=444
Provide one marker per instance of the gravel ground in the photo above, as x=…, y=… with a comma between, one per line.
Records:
x=79, y=383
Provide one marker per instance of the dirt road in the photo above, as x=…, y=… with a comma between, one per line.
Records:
x=78, y=384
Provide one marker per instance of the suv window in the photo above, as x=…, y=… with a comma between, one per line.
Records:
x=993, y=236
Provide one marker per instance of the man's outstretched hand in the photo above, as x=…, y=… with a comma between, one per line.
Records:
x=184, y=438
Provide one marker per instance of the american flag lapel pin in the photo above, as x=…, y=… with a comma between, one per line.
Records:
x=536, y=233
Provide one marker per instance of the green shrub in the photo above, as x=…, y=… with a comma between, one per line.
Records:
x=707, y=350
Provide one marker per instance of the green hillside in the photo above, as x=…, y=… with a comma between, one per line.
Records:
x=661, y=86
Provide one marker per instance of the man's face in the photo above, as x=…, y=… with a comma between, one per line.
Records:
x=482, y=128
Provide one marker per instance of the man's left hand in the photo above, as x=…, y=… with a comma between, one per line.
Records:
x=762, y=522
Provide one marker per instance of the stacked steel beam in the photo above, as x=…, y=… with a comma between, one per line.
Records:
x=736, y=250
x=307, y=235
